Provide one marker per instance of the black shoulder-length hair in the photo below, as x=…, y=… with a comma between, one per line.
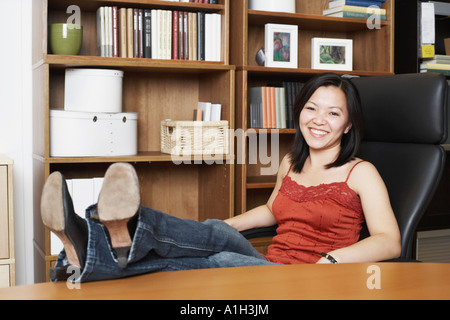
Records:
x=350, y=142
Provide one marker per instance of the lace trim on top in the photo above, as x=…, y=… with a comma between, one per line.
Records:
x=337, y=191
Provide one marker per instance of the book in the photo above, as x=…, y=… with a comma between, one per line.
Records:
x=216, y=111
x=147, y=34
x=356, y=15
x=122, y=26
x=175, y=35
x=346, y=8
x=206, y=108
x=101, y=36
x=212, y=36
x=360, y=3
x=154, y=33
x=115, y=35
x=438, y=58
x=198, y=115
x=201, y=36
x=440, y=66
x=130, y=39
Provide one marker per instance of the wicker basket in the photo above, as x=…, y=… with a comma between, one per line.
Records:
x=194, y=137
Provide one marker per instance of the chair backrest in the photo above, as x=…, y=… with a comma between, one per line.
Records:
x=405, y=118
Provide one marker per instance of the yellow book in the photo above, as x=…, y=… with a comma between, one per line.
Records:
x=435, y=66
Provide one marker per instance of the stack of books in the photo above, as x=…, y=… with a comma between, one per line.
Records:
x=360, y=9
x=440, y=63
x=207, y=111
x=271, y=106
x=158, y=34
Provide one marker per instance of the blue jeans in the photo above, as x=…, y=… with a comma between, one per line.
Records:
x=165, y=243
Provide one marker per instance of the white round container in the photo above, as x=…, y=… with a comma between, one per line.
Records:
x=272, y=5
x=93, y=90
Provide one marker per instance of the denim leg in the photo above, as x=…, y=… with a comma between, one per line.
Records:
x=171, y=237
x=166, y=243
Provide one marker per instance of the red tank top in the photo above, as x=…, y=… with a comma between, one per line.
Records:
x=314, y=219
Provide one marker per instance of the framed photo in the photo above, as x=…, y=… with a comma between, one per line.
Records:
x=281, y=45
x=332, y=54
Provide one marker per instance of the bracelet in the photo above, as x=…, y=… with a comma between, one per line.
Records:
x=327, y=256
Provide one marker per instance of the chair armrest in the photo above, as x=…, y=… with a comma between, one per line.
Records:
x=260, y=232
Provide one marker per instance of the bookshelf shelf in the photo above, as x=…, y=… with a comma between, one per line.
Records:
x=261, y=182
x=373, y=51
x=309, y=21
x=150, y=156
x=90, y=5
x=136, y=64
x=265, y=71
x=156, y=90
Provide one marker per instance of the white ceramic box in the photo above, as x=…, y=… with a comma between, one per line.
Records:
x=93, y=90
x=83, y=134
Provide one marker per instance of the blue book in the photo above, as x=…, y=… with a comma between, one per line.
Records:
x=359, y=3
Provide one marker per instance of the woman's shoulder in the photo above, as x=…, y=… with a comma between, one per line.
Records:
x=362, y=173
x=285, y=165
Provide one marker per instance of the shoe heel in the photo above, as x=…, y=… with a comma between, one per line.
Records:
x=118, y=203
x=122, y=256
x=59, y=217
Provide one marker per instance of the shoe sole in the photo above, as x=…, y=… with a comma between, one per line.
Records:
x=118, y=202
x=52, y=213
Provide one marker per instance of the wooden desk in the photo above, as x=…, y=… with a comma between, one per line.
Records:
x=340, y=281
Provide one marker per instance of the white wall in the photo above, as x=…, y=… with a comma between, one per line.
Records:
x=16, y=123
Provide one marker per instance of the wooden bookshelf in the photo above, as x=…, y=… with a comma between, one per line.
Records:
x=156, y=90
x=372, y=56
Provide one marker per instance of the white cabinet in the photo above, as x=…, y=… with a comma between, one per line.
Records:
x=7, y=260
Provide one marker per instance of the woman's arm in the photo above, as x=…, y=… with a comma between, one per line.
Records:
x=384, y=241
x=261, y=216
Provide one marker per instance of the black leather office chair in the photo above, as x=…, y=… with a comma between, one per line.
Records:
x=405, y=118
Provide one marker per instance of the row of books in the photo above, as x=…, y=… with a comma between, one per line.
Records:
x=158, y=34
x=271, y=106
x=440, y=63
x=207, y=111
x=360, y=9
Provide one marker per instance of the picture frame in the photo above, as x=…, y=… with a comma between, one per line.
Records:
x=281, y=45
x=332, y=54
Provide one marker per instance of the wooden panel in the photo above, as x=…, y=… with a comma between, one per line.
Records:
x=39, y=30
x=4, y=221
x=261, y=244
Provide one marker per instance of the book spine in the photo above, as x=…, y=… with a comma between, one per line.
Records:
x=123, y=32
x=130, y=38
x=175, y=31
x=359, y=3
x=147, y=34
x=140, y=33
x=115, y=30
x=201, y=36
x=135, y=33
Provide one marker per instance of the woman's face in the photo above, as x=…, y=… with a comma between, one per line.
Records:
x=324, y=118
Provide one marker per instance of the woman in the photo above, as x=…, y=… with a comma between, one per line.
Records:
x=322, y=196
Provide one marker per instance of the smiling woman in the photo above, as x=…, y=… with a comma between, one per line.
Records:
x=322, y=195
